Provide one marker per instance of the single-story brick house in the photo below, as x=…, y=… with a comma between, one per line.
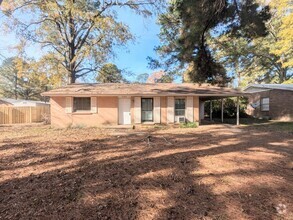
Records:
x=272, y=101
x=126, y=104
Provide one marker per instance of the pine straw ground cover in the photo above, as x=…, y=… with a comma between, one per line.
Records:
x=210, y=172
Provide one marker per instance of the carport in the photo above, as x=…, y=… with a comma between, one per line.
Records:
x=221, y=96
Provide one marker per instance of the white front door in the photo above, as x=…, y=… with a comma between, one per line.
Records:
x=124, y=111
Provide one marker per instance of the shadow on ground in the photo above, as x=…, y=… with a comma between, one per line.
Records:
x=218, y=172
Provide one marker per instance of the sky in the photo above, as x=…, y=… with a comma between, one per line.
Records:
x=132, y=59
x=146, y=31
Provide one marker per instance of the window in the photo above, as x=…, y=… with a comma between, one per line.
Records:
x=179, y=107
x=265, y=104
x=146, y=109
x=81, y=104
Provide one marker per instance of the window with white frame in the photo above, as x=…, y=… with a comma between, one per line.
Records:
x=179, y=107
x=81, y=104
x=265, y=104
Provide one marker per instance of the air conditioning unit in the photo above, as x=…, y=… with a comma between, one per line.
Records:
x=181, y=119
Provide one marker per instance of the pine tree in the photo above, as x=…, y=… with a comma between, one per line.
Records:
x=187, y=25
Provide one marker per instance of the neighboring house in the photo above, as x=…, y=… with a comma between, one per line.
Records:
x=125, y=104
x=20, y=102
x=272, y=101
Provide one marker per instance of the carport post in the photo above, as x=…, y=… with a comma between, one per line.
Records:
x=237, y=120
x=211, y=110
x=222, y=110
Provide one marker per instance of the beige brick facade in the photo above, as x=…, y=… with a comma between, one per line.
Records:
x=104, y=111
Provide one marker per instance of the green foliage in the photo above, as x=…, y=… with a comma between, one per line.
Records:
x=281, y=126
x=165, y=79
x=283, y=32
x=189, y=125
x=19, y=81
x=257, y=60
x=109, y=73
x=79, y=34
x=187, y=24
x=230, y=108
x=289, y=81
x=142, y=78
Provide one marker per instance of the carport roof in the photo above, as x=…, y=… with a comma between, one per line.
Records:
x=148, y=89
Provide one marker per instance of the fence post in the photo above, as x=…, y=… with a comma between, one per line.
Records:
x=19, y=115
x=30, y=114
x=10, y=115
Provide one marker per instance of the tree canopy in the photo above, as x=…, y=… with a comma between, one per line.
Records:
x=79, y=34
x=19, y=80
x=187, y=25
x=256, y=61
x=109, y=73
x=160, y=77
x=282, y=30
x=141, y=78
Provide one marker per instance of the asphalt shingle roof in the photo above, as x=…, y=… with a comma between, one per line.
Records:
x=115, y=89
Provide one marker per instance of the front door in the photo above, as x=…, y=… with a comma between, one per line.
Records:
x=124, y=111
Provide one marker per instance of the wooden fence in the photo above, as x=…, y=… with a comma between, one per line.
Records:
x=21, y=115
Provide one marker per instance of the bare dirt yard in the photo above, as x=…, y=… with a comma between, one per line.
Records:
x=211, y=172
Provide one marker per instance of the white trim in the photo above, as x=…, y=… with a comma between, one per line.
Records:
x=94, y=106
x=68, y=105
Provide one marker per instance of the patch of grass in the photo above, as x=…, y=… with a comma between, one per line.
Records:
x=243, y=121
x=189, y=125
x=76, y=126
x=280, y=126
x=261, y=123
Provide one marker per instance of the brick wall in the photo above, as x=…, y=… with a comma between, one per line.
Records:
x=281, y=105
x=107, y=113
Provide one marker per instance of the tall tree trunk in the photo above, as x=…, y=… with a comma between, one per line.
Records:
x=72, y=47
x=71, y=77
x=238, y=73
x=282, y=75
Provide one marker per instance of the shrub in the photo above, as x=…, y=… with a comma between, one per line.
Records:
x=189, y=125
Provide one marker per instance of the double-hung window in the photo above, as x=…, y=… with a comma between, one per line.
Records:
x=265, y=104
x=179, y=107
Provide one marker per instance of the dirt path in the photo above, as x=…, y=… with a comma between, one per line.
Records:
x=212, y=172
